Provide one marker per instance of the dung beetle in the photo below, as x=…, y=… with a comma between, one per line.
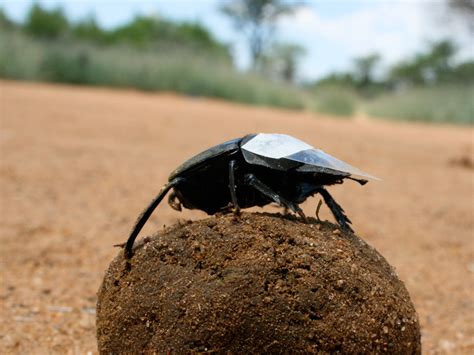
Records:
x=254, y=170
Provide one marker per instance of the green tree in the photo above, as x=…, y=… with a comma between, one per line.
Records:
x=196, y=33
x=89, y=29
x=282, y=61
x=146, y=31
x=364, y=68
x=256, y=19
x=5, y=22
x=44, y=23
x=409, y=72
x=435, y=65
x=440, y=60
x=463, y=73
x=141, y=31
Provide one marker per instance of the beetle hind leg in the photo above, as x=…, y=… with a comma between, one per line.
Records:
x=252, y=181
x=336, y=210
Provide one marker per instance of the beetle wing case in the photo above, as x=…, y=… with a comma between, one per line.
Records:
x=317, y=157
x=283, y=152
x=221, y=149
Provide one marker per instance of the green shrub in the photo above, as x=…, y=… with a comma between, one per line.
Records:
x=88, y=29
x=62, y=67
x=5, y=22
x=450, y=104
x=335, y=100
x=19, y=57
x=167, y=68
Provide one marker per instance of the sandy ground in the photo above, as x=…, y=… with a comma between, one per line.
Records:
x=79, y=164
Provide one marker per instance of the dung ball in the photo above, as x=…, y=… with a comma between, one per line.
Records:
x=256, y=283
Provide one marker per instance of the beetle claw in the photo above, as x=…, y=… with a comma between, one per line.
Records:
x=230, y=208
x=303, y=217
x=301, y=213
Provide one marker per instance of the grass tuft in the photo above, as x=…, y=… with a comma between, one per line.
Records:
x=335, y=100
x=164, y=68
x=445, y=104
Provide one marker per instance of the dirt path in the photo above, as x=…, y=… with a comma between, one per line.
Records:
x=77, y=165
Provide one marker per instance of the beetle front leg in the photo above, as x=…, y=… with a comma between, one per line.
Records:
x=232, y=187
x=143, y=217
x=254, y=182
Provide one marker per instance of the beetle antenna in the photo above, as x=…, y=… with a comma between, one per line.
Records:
x=143, y=217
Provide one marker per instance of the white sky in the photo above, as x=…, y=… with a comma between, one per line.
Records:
x=332, y=31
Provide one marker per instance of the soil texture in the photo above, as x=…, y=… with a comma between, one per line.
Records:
x=255, y=284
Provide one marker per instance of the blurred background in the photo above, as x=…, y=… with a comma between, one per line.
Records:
x=394, y=59
x=101, y=100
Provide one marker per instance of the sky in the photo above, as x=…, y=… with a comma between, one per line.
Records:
x=333, y=32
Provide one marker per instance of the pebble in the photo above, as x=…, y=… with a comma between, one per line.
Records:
x=60, y=309
x=211, y=223
x=267, y=300
x=197, y=246
x=446, y=345
x=88, y=310
x=470, y=267
x=340, y=284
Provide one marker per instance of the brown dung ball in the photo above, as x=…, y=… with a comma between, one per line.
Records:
x=258, y=283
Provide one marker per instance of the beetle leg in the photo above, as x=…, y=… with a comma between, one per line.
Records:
x=173, y=201
x=252, y=180
x=232, y=186
x=317, y=210
x=143, y=217
x=336, y=210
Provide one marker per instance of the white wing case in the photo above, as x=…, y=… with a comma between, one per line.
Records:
x=319, y=158
x=278, y=146
x=275, y=146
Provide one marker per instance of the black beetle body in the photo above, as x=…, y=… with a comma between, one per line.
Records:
x=254, y=170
